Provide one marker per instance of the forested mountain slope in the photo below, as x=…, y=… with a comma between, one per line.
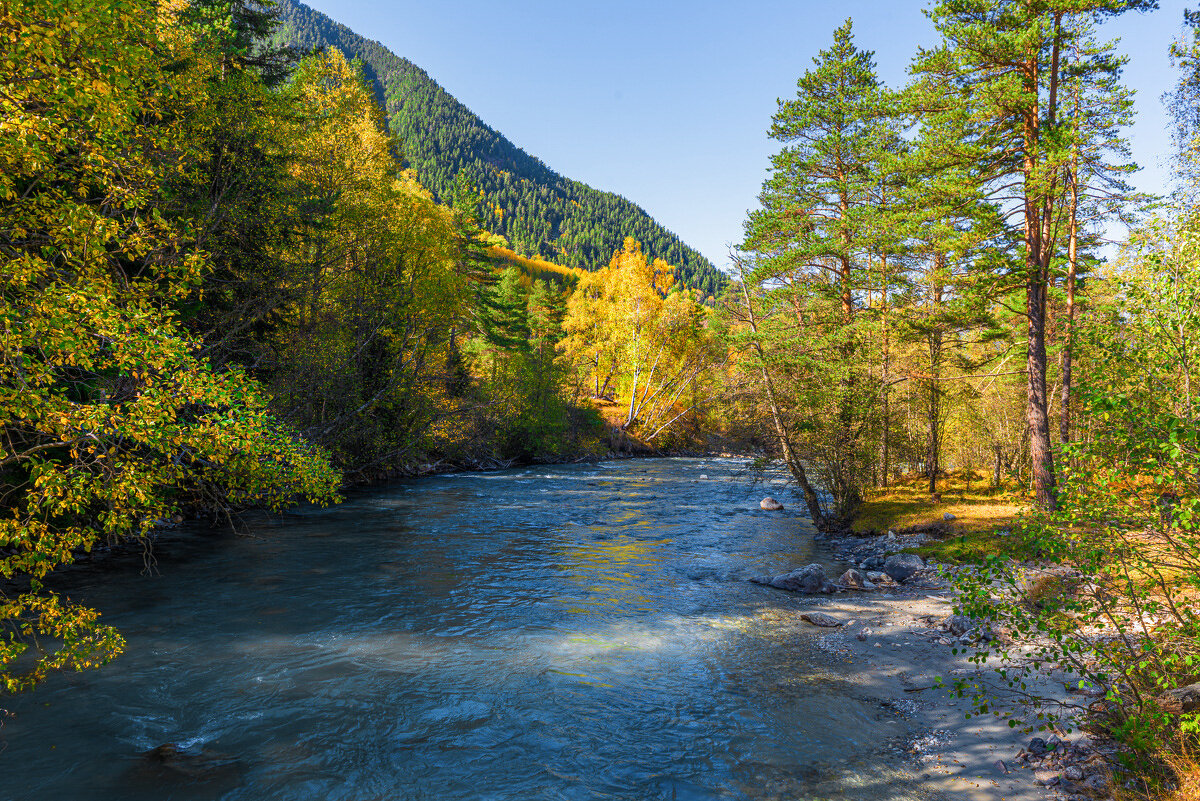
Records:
x=541, y=213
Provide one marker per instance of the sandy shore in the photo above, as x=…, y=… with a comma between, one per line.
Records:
x=896, y=663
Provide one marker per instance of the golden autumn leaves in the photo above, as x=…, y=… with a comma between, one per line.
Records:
x=109, y=420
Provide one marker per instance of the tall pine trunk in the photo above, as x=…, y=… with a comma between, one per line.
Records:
x=1038, y=213
x=1064, y=432
x=884, y=456
x=811, y=499
x=933, y=449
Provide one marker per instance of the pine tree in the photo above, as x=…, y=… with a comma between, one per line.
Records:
x=820, y=220
x=992, y=91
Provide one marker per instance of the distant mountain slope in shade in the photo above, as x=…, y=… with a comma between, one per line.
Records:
x=541, y=213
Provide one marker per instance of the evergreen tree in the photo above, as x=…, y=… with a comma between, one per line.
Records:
x=992, y=91
x=811, y=243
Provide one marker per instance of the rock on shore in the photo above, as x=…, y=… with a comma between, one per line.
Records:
x=808, y=579
x=902, y=566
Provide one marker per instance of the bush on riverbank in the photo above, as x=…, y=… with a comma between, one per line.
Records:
x=1120, y=621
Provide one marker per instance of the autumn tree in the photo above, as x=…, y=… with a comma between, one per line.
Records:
x=356, y=356
x=629, y=326
x=110, y=421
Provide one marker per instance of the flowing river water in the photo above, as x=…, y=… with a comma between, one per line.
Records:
x=575, y=632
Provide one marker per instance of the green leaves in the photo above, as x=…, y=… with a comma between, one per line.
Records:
x=110, y=421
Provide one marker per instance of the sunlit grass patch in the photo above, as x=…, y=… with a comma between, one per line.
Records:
x=983, y=515
x=975, y=504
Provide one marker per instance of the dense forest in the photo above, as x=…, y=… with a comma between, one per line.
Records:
x=223, y=290
x=251, y=258
x=539, y=212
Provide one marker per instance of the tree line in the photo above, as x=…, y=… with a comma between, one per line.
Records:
x=931, y=283
x=921, y=253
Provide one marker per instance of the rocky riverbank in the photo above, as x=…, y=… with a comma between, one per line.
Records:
x=903, y=640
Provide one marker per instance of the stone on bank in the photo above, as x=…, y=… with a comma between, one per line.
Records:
x=809, y=579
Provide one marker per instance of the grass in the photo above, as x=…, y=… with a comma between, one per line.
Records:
x=979, y=512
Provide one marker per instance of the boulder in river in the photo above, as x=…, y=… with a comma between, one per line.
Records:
x=821, y=619
x=902, y=566
x=769, y=504
x=203, y=765
x=808, y=579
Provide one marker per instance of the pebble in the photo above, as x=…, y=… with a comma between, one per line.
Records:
x=863, y=634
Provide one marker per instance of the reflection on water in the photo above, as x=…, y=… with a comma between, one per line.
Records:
x=579, y=632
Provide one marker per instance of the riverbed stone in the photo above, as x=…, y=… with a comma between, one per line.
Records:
x=808, y=579
x=902, y=566
x=1181, y=699
x=963, y=626
x=769, y=504
x=855, y=579
x=821, y=619
x=1046, y=778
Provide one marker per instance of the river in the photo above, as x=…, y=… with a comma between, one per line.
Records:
x=573, y=632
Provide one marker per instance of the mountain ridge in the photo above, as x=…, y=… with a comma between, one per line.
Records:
x=541, y=213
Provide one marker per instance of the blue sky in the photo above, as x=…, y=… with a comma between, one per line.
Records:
x=668, y=102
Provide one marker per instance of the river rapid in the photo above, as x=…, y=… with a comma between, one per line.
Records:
x=574, y=632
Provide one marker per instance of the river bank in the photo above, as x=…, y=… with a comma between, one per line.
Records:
x=903, y=648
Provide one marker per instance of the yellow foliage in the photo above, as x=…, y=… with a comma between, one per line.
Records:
x=628, y=326
x=535, y=265
x=108, y=418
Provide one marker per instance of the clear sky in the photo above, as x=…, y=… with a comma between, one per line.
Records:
x=667, y=102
